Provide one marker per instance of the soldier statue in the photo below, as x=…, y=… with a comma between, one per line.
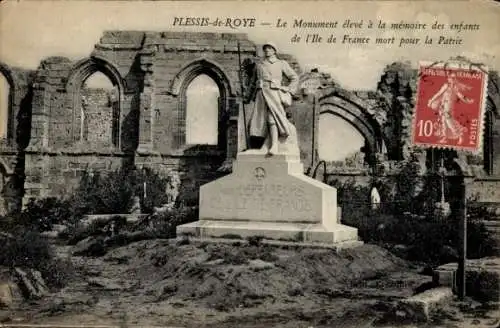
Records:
x=271, y=97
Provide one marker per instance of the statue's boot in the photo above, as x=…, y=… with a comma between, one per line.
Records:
x=273, y=150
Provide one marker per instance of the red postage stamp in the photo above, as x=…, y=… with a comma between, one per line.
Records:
x=450, y=106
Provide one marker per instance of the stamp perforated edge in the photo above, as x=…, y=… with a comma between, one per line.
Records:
x=453, y=65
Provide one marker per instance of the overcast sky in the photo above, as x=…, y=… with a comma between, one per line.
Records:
x=31, y=30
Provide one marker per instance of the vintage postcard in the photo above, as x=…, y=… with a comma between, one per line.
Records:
x=249, y=164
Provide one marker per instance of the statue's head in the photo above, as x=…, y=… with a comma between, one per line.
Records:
x=269, y=49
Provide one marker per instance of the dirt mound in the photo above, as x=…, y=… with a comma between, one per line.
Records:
x=224, y=276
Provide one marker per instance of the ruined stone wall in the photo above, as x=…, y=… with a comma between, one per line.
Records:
x=304, y=113
x=18, y=135
x=61, y=100
x=194, y=171
x=175, y=59
x=19, y=110
x=395, y=101
x=98, y=117
x=58, y=174
x=54, y=143
x=171, y=61
x=485, y=190
x=320, y=95
x=493, y=107
x=66, y=170
x=150, y=71
x=51, y=116
x=496, y=147
x=57, y=157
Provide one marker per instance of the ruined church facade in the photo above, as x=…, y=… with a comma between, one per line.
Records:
x=57, y=129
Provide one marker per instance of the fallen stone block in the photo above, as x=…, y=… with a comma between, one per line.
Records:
x=39, y=282
x=106, y=284
x=419, y=307
x=66, y=298
x=90, y=246
x=482, y=278
x=127, y=238
x=258, y=265
x=31, y=283
x=52, y=234
x=445, y=277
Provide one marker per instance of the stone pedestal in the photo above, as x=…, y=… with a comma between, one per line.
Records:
x=269, y=196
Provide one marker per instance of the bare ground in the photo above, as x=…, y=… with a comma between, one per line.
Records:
x=164, y=283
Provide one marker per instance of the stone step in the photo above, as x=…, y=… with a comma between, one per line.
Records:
x=279, y=243
x=419, y=307
x=282, y=231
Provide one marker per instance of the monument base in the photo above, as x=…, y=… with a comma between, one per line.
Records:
x=269, y=197
x=282, y=231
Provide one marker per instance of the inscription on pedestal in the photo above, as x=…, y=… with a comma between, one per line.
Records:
x=262, y=199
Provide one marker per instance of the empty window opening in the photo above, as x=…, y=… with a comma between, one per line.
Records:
x=202, y=111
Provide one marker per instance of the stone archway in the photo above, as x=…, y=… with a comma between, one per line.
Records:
x=199, y=66
x=79, y=74
x=179, y=87
x=359, y=119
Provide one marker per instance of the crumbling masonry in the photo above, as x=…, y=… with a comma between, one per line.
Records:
x=57, y=130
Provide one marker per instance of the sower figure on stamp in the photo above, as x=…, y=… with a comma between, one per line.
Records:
x=442, y=101
x=269, y=118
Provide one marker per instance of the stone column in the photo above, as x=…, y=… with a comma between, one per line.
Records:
x=40, y=118
x=147, y=104
x=17, y=98
x=37, y=174
x=35, y=161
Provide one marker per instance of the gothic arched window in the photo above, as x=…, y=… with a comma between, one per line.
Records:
x=95, y=90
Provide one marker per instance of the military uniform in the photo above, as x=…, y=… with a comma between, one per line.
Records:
x=271, y=95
